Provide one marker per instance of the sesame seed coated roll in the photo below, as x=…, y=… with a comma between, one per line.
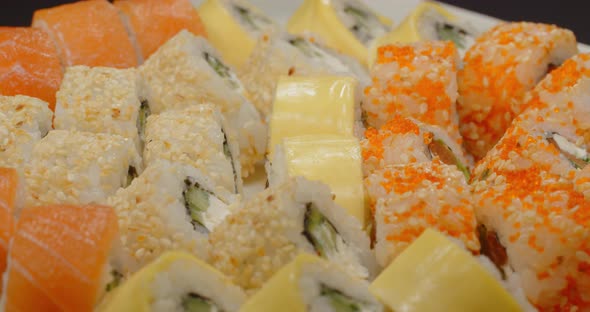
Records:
x=103, y=100
x=186, y=71
x=70, y=167
x=195, y=136
x=269, y=230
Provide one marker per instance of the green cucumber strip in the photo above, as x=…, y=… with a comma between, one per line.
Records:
x=144, y=113
x=439, y=148
x=305, y=47
x=319, y=231
x=196, y=201
x=228, y=154
x=485, y=174
x=252, y=18
x=359, y=13
x=452, y=33
x=339, y=301
x=192, y=302
x=221, y=69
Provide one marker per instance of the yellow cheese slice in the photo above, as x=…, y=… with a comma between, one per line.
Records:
x=282, y=292
x=409, y=30
x=312, y=105
x=318, y=17
x=434, y=274
x=226, y=34
x=333, y=160
x=135, y=294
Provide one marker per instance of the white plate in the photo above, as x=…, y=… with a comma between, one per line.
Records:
x=396, y=10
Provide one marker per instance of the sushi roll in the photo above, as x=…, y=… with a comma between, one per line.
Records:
x=270, y=229
x=333, y=160
x=404, y=140
x=70, y=167
x=288, y=55
x=535, y=225
x=503, y=64
x=429, y=21
x=168, y=207
x=103, y=100
x=309, y=283
x=176, y=281
x=319, y=105
x=416, y=80
x=561, y=95
x=420, y=279
x=45, y=270
x=40, y=75
x=186, y=71
x=9, y=191
x=152, y=22
x=556, y=147
x=347, y=26
x=23, y=122
x=408, y=199
x=88, y=33
x=238, y=20
x=195, y=136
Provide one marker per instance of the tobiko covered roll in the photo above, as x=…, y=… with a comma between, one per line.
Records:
x=503, y=64
x=407, y=199
x=416, y=80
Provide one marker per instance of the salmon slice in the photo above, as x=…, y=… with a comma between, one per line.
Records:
x=155, y=21
x=88, y=33
x=29, y=64
x=8, y=187
x=58, y=258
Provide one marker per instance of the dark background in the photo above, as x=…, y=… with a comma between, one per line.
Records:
x=574, y=15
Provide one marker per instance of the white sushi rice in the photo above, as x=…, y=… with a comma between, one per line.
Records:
x=181, y=278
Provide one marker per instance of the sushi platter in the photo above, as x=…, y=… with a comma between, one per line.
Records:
x=310, y=155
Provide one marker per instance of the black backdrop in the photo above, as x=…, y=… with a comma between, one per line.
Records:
x=574, y=15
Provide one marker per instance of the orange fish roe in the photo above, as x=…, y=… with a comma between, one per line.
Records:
x=397, y=125
x=527, y=142
x=415, y=197
x=498, y=70
x=547, y=220
x=416, y=81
